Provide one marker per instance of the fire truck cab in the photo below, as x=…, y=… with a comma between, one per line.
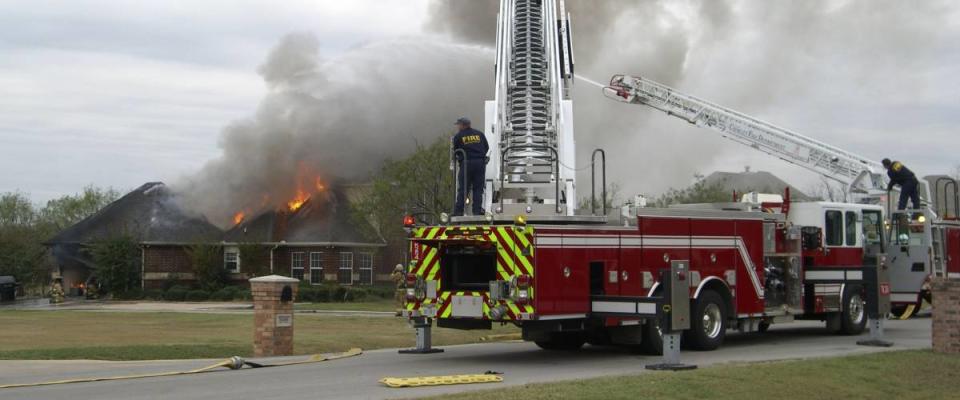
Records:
x=750, y=265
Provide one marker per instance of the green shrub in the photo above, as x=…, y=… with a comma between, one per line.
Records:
x=321, y=294
x=306, y=294
x=356, y=294
x=339, y=293
x=153, y=294
x=198, y=295
x=225, y=294
x=381, y=292
x=175, y=294
x=242, y=294
x=130, y=294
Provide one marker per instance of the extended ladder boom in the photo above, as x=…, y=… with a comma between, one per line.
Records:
x=530, y=120
x=859, y=174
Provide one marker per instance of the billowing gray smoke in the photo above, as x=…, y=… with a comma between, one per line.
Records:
x=835, y=70
x=337, y=119
x=340, y=118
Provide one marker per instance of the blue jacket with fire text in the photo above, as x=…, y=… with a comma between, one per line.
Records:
x=473, y=142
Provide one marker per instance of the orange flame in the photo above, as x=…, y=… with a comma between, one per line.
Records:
x=238, y=217
x=297, y=202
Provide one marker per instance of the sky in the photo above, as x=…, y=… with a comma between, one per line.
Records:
x=118, y=93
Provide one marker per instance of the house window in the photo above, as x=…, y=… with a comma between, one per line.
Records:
x=231, y=259
x=345, y=274
x=296, y=265
x=366, y=268
x=316, y=268
x=833, y=228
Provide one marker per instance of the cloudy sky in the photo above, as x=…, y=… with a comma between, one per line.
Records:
x=117, y=93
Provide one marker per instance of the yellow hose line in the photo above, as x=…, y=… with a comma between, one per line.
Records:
x=501, y=337
x=231, y=363
x=908, y=312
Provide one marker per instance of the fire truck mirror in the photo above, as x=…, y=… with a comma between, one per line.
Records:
x=679, y=296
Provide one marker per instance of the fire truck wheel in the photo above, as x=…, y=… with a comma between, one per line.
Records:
x=853, y=318
x=562, y=341
x=763, y=326
x=708, y=322
x=652, y=341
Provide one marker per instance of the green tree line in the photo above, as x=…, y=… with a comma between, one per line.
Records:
x=24, y=227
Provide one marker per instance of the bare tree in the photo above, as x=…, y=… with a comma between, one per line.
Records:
x=828, y=190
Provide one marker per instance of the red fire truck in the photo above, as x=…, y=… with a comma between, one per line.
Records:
x=750, y=265
x=567, y=277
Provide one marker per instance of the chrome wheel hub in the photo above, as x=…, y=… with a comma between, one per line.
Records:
x=712, y=320
x=856, y=309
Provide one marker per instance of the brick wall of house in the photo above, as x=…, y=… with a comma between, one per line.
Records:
x=330, y=262
x=166, y=265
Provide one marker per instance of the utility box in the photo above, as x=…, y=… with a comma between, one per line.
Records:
x=8, y=288
x=273, y=298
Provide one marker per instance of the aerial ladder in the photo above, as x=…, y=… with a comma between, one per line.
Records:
x=529, y=122
x=915, y=237
x=863, y=178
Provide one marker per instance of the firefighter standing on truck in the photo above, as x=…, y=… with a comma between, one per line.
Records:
x=472, y=171
x=900, y=175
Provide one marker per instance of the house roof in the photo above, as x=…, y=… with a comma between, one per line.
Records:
x=323, y=219
x=149, y=213
x=760, y=181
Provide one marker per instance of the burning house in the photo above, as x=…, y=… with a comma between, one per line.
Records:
x=313, y=238
x=148, y=214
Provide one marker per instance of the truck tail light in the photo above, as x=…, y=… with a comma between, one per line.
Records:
x=409, y=221
x=411, y=294
x=524, y=281
x=411, y=280
x=523, y=297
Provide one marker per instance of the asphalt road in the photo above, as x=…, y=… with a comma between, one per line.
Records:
x=357, y=377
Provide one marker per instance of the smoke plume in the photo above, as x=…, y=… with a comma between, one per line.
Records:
x=822, y=68
x=337, y=119
x=793, y=63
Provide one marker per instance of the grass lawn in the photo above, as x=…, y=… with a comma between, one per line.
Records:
x=916, y=374
x=143, y=336
x=373, y=305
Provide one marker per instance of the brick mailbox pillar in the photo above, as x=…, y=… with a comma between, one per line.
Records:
x=946, y=315
x=273, y=297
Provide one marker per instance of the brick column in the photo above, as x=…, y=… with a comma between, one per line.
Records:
x=273, y=315
x=946, y=315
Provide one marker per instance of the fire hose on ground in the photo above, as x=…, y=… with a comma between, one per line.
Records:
x=232, y=363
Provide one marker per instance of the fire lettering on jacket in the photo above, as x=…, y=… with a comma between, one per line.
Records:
x=470, y=139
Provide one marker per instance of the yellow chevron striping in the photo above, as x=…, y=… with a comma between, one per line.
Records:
x=418, y=381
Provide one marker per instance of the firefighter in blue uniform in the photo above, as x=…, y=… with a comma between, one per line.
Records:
x=900, y=175
x=474, y=145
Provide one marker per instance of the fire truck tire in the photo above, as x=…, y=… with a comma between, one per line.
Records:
x=763, y=326
x=652, y=341
x=853, y=317
x=708, y=322
x=562, y=341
